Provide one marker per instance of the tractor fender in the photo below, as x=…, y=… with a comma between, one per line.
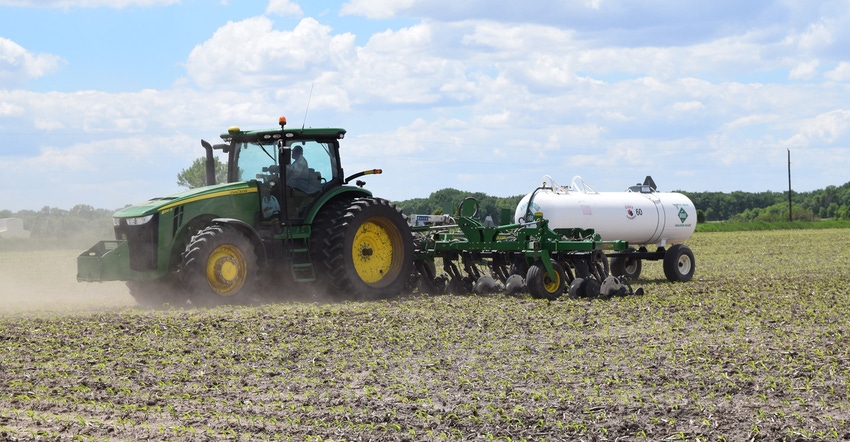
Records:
x=342, y=192
x=249, y=231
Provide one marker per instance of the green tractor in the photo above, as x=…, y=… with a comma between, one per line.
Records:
x=286, y=215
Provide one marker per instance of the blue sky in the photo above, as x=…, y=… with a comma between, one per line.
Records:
x=104, y=102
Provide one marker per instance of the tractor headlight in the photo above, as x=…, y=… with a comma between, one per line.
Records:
x=137, y=220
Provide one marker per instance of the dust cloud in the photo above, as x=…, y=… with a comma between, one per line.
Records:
x=45, y=282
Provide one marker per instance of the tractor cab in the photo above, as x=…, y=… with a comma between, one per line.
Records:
x=290, y=174
x=292, y=168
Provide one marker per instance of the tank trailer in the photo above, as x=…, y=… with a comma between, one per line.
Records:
x=641, y=215
x=288, y=221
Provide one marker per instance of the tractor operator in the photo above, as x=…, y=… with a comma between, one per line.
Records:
x=299, y=175
x=297, y=171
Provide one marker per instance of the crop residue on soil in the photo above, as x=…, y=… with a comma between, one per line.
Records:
x=754, y=348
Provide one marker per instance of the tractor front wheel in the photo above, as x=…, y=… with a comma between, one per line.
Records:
x=366, y=252
x=219, y=267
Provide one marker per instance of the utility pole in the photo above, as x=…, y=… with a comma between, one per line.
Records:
x=790, y=218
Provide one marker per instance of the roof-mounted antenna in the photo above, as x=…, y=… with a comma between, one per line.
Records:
x=308, y=105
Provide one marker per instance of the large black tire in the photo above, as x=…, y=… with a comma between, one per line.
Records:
x=363, y=249
x=541, y=285
x=679, y=263
x=158, y=292
x=626, y=266
x=220, y=267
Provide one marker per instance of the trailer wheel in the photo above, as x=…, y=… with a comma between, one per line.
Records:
x=366, y=248
x=541, y=285
x=219, y=267
x=626, y=266
x=679, y=264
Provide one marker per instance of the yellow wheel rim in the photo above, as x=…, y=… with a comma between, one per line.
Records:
x=376, y=251
x=226, y=270
x=551, y=285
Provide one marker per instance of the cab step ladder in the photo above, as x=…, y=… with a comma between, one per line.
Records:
x=298, y=252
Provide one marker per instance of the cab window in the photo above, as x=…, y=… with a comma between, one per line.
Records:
x=312, y=164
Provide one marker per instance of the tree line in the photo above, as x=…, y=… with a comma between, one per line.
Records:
x=446, y=201
x=832, y=202
x=829, y=203
x=81, y=221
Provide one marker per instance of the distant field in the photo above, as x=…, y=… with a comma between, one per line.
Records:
x=732, y=226
x=756, y=347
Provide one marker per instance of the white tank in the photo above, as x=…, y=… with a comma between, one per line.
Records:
x=640, y=215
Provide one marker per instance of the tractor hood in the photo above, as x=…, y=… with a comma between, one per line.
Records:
x=162, y=204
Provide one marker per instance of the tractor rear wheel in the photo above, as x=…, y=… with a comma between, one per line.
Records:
x=219, y=267
x=363, y=249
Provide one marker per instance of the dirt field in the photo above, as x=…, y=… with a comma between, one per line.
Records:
x=755, y=348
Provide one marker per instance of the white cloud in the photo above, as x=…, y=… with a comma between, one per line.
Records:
x=250, y=54
x=68, y=4
x=107, y=173
x=283, y=8
x=688, y=106
x=469, y=92
x=375, y=9
x=818, y=35
x=403, y=67
x=719, y=56
x=804, y=71
x=826, y=127
x=840, y=73
x=510, y=39
x=94, y=114
x=10, y=110
x=750, y=120
x=17, y=65
x=593, y=4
